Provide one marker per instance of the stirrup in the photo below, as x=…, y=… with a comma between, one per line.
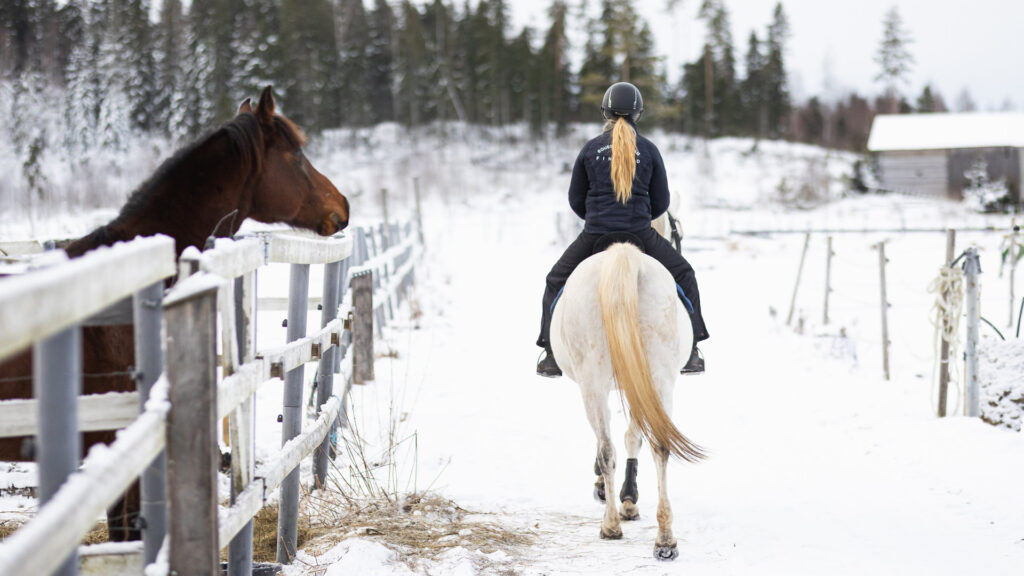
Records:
x=547, y=366
x=695, y=365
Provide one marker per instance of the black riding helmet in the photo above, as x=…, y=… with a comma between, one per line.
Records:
x=622, y=99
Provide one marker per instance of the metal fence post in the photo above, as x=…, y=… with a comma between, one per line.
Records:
x=972, y=268
x=885, y=309
x=192, y=453
x=57, y=380
x=325, y=373
x=828, y=276
x=149, y=360
x=242, y=426
x=288, y=510
x=419, y=208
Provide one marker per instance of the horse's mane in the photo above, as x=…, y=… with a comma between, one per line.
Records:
x=242, y=137
x=242, y=134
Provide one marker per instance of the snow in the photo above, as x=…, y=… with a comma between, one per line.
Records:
x=892, y=132
x=1000, y=365
x=818, y=464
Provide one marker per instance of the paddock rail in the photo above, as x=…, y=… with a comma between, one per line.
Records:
x=188, y=400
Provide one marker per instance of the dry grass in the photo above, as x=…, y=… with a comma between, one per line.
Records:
x=364, y=498
x=97, y=535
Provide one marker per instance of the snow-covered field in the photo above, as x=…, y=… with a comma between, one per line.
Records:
x=818, y=464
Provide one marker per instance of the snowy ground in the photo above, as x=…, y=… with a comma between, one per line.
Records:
x=818, y=465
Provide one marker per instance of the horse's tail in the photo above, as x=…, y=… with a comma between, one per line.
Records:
x=618, y=295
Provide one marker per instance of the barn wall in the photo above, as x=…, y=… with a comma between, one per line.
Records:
x=919, y=172
x=1003, y=163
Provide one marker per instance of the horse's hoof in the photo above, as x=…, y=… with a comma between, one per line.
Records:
x=615, y=534
x=599, y=492
x=666, y=553
x=629, y=511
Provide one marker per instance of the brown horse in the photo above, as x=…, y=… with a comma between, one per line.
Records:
x=252, y=164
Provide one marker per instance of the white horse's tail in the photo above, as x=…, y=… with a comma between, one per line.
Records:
x=618, y=295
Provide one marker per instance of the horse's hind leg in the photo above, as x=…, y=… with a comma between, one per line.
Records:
x=629, y=494
x=598, y=414
x=665, y=544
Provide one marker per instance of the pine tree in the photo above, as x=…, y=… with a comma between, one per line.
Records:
x=598, y=68
x=893, y=57
x=752, y=90
x=70, y=34
x=926, y=101
x=380, y=62
x=554, y=89
x=722, y=109
x=776, y=84
x=168, y=60
x=135, y=41
x=412, y=68
x=353, y=69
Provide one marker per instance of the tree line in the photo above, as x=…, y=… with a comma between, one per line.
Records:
x=108, y=69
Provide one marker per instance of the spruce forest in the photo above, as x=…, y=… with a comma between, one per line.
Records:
x=84, y=74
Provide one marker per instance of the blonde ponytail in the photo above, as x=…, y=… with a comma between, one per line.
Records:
x=623, y=158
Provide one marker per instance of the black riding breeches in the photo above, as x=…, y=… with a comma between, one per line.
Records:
x=655, y=245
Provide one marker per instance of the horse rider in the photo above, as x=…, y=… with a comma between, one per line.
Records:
x=619, y=185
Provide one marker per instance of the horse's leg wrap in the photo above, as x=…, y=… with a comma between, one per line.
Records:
x=629, y=491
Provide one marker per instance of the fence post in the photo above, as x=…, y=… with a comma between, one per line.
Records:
x=944, y=346
x=57, y=380
x=149, y=360
x=799, y=272
x=384, y=205
x=241, y=426
x=419, y=208
x=828, y=276
x=192, y=453
x=885, y=309
x=288, y=510
x=972, y=268
x=325, y=372
x=1012, y=255
x=342, y=285
x=362, y=327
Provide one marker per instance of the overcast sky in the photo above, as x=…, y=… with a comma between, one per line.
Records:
x=978, y=44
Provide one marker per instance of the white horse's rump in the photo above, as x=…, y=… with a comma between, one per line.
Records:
x=619, y=320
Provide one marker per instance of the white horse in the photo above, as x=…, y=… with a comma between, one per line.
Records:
x=619, y=319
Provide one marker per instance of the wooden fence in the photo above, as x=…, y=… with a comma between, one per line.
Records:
x=178, y=408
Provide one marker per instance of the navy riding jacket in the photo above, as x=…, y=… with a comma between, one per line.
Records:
x=592, y=195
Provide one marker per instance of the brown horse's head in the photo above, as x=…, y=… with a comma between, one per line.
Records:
x=289, y=189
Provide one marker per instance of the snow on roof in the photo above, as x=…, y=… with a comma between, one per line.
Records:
x=891, y=132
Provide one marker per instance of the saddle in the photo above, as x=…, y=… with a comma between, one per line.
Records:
x=605, y=241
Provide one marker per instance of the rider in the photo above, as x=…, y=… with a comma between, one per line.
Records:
x=613, y=193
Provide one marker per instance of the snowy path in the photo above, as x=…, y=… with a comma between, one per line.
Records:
x=816, y=467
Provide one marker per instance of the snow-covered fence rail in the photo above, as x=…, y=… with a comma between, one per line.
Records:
x=47, y=308
x=217, y=281
x=387, y=255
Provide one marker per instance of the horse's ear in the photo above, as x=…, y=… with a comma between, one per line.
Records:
x=245, y=107
x=265, y=109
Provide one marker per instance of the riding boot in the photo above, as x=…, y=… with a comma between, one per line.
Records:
x=695, y=365
x=547, y=366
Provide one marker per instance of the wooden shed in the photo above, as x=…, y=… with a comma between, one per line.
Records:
x=928, y=154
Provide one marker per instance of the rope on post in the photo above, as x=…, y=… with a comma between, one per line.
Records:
x=946, y=311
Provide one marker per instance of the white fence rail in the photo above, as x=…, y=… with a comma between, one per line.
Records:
x=220, y=283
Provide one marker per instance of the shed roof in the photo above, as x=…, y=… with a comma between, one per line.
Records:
x=891, y=132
